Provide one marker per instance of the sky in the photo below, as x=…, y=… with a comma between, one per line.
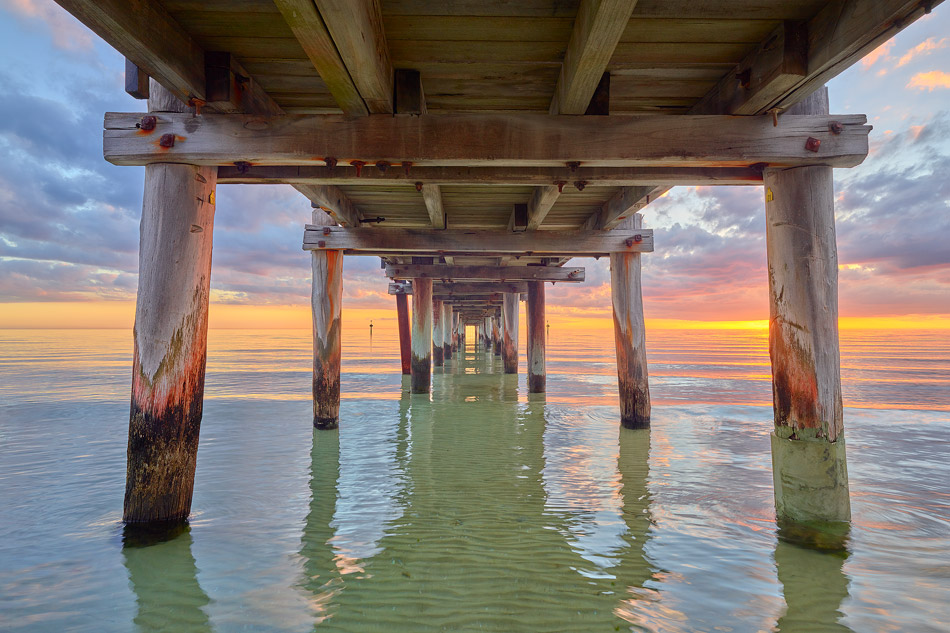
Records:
x=69, y=220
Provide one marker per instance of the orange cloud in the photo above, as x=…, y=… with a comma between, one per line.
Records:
x=925, y=47
x=881, y=52
x=930, y=80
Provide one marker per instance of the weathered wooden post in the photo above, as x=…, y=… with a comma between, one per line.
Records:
x=808, y=450
x=326, y=299
x=438, y=323
x=421, y=335
x=448, y=321
x=510, y=320
x=456, y=334
x=170, y=336
x=405, y=338
x=496, y=334
x=537, y=378
x=629, y=336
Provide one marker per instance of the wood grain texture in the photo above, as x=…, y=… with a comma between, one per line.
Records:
x=510, y=332
x=356, y=27
x=515, y=140
x=405, y=334
x=471, y=242
x=326, y=303
x=447, y=323
x=598, y=26
x=432, y=196
x=438, y=323
x=170, y=342
x=334, y=202
x=496, y=334
x=310, y=30
x=537, y=375
x=629, y=335
x=484, y=273
x=803, y=298
x=421, y=370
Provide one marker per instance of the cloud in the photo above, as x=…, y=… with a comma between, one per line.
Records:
x=880, y=53
x=67, y=32
x=924, y=48
x=930, y=80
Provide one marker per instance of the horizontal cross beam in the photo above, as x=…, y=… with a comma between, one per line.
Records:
x=449, y=289
x=500, y=140
x=486, y=273
x=522, y=176
x=454, y=242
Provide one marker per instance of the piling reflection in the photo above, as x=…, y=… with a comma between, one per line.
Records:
x=813, y=579
x=164, y=578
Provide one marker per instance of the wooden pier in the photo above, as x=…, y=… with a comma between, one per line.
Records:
x=477, y=148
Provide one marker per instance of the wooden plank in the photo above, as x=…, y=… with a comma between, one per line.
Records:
x=515, y=140
x=229, y=88
x=448, y=289
x=540, y=177
x=432, y=196
x=408, y=95
x=356, y=27
x=145, y=33
x=540, y=204
x=136, y=81
x=334, y=202
x=625, y=202
x=310, y=30
x=462, y=242
x=486, y=273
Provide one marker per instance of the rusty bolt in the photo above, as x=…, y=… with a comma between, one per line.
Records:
x=242, y=166
x=197, y=104
x=326, y=230
x=580, y=184
x=812, y=144
x=330, y=162
x=637, y=238
x=167, y=140
x=560, y=185
x=835, y=127
x=418, y=186
x=322, y=244
x=148, y=123
x=573, y=165
x=359, y=164
x=406, y=165
x=382, y=166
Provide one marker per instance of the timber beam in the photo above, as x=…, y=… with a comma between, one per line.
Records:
x=491, y=273
x=540, y=177
x=500, y=140
x=333, y=202
x=422, y=242
x=448, y=289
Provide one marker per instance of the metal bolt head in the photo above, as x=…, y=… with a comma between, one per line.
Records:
x=835, y=127
x=322, y=244
x=148, y=123
x=326, y=230
x=330, y=162
x=812, y=144
x=167, y=140
x=580, y=184
x=637, y=238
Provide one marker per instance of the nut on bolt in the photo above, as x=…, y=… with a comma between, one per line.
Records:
x=812, y=144
x=167, y=140
x=835, y=127
x=147, y=123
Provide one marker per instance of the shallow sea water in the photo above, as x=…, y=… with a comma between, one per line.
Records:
x=479, y=509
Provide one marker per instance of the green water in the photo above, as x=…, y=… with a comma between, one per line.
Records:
x=480, y=508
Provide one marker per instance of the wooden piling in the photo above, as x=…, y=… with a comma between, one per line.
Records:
x=438, y=323
x=170, y=336
x=456, y=333
x=537, y=377
x=629, y=336
x=447, y=328
x=808, y=454
x=421, y=335
x=496, y=334
x=405, y=338
x=510, y=342
x=325, y=300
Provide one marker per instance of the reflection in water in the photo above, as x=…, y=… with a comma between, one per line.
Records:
x=814, y=585
x=164, y=578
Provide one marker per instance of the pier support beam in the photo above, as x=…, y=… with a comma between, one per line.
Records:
x=808, y=453
x=629, y=335
x=405, y=338
x=438, y=323
x=170, y=337
x=537, y=377
x=448, y=328
x=510, y=343
x=325, y=300
x=496, y=335
x=421, y=335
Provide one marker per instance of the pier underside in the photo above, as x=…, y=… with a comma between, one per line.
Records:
x=477, y=149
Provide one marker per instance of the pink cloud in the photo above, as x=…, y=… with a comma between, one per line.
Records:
x=67, y=33
x=927, y=46
x=930, y=80
x=879, y=53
